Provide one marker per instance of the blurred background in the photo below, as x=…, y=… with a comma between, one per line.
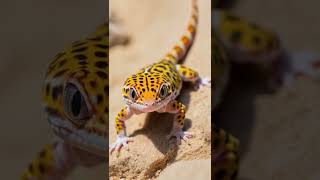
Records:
x=278, y=131
x=31, y=33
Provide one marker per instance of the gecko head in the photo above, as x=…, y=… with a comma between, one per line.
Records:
x=75, y=97
x=145, y=92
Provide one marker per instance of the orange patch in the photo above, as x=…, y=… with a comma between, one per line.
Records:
x=185, y=40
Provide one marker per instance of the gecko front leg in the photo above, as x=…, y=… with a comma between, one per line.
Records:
x=122, y=139
x=180, y=110
x=57, y=161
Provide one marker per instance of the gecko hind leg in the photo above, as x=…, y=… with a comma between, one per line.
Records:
x=225, y=155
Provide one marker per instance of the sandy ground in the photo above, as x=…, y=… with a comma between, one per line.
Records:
x=31, y=33
x=278, y=131
x=154, y=31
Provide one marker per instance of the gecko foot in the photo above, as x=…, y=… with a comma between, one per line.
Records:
x=206, y=81
x=121, y=141
x=180, y=134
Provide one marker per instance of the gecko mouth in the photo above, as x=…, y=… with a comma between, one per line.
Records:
x=78, y=137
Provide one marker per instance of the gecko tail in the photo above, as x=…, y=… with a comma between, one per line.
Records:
x=178, y=53
x=302, y=64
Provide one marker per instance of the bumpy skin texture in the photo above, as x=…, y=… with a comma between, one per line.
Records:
x=155, y=87
x=75, y=97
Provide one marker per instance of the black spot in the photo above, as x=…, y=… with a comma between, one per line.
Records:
x=99, y=98
x=30, y=168
x=80, y=57
x=59, y=73
x=59, y=55
x=235, y=36
x=163, y=67
x=143, y=89
x=100, y=54
x=56, y=91
x=42, y=168
x=106, y=89
x=79, y=49
x=157, y=70
x=256, y=40
x=93, y=84
x=62, y=62
x=95, y=39
x=101, y=46
x=102, y=75
x=101, y=64
x=42, y=154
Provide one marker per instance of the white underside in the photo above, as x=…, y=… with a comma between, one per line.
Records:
x=78, y=137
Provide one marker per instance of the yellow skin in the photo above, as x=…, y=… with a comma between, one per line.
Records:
x=155, y=88
x=76, y=101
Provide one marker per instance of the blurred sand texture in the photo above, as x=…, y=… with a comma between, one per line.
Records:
x=154, y=27
x=278, y=131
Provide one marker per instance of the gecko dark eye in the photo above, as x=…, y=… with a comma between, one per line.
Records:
x=133, y=94
x=163, y=91
x=75, y=105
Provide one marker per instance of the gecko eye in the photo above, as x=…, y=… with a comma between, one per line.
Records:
x=133, y=94
x=163, y=91
x=75, y=105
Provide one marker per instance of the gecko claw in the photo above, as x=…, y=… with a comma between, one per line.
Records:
x=180, y=134
x=121, y=141
x=206, y=81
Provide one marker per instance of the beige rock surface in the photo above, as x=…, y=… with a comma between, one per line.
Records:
x=188, y=170
x=154, y=27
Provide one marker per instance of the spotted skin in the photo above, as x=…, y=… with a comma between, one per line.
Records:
x=155, y=87
x=249, y=43
x=41, y=165
x=75, y=97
